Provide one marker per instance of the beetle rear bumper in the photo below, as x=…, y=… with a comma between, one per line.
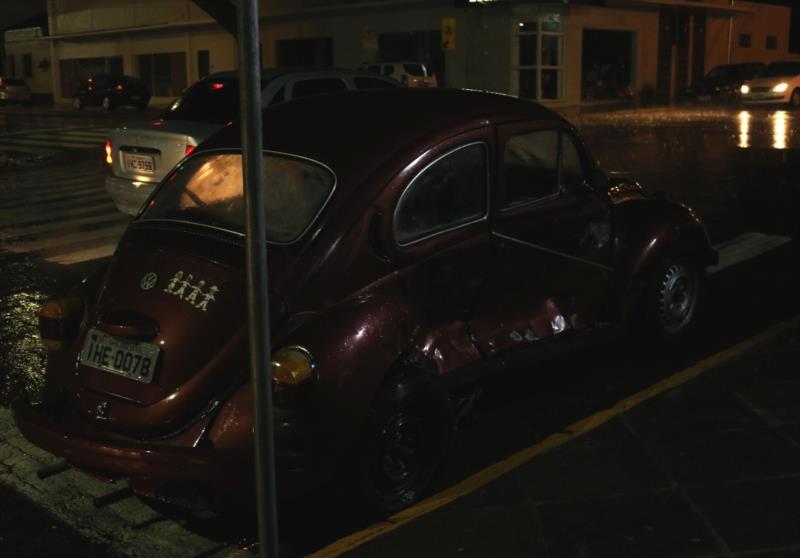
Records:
x=116, y=457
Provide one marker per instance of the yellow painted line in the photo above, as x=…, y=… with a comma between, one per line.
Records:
x=489, y=474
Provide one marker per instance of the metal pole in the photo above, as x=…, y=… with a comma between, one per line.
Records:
x=730, y=35
x=257, y=292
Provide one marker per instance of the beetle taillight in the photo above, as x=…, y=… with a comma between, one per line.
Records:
x=109, y=160
x=119, y=88
x=58, y=322
x=189, y=149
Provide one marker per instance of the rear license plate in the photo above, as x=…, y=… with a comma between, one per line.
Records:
x=139, y=163
x=130, y=359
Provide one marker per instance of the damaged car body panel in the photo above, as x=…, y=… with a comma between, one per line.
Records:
x=401, y=266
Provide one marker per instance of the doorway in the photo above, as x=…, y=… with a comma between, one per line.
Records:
x=607, y=70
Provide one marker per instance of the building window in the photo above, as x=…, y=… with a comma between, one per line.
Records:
x=745, y=40
x=163, y=73
x=11, y=69
x=772, y=42
x=541, y=58
x=27, y=66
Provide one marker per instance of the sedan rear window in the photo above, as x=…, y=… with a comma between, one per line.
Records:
x=208, y=190
x=213, y=100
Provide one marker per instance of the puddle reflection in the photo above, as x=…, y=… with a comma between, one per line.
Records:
x=759, y=128
x=744, y=129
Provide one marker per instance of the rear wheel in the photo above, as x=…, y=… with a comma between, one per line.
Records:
x=406, y=437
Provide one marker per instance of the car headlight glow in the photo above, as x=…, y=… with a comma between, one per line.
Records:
x=745, y=89
x=291, y=366
x=781, y=87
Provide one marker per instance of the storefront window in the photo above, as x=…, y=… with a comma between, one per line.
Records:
x=541, y=55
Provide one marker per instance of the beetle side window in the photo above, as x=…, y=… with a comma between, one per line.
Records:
x=530, y=168
x=449, y=193
x=572, y=175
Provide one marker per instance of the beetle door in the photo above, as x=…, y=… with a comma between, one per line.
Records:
x=550, y=235
x=440, y=238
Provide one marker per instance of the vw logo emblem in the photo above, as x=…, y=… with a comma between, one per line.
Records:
x=148, y=281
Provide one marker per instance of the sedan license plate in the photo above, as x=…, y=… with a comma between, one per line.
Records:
x=139, y=163
x=130, y=359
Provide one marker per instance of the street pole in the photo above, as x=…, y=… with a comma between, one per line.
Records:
x=257, y=292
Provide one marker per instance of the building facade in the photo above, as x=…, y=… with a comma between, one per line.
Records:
x=562, y=53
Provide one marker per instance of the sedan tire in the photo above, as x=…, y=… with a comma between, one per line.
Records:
x=794, y=100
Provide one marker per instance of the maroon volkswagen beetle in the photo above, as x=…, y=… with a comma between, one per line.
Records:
x=446, y=235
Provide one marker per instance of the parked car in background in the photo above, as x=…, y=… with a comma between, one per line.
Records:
x=110, y=92
x=140, y=156
x=779, y=84
x=723, y=83
x=404, y=267
x=14, y=90
x=412, y=74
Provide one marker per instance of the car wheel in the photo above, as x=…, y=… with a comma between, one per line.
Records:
x=77, y=103
x=106, y=103
x=407, y=434
x=794, y=100
x=672, y=298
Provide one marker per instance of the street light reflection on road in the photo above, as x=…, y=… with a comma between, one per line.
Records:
x=779, y=127
x=744, y=129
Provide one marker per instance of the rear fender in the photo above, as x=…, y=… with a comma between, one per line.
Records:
x=354, y=346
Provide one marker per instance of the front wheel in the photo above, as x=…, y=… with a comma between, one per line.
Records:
x=406, y=437
x=672, y=298
x=794, y=100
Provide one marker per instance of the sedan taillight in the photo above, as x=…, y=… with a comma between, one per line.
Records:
x=109, y=160
x=58, y=322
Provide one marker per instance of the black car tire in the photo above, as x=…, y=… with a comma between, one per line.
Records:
x=672, y=299
x=405, y=440
x=77, y=103
x=794, y=100
x=107, y=103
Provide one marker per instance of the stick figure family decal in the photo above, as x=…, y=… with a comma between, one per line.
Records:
x=181, y=286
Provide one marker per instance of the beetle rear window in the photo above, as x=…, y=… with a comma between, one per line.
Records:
x=208, y=190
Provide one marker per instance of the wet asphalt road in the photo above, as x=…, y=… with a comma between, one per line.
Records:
x=740, y=170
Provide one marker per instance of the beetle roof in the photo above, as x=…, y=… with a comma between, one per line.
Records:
x=357, y=132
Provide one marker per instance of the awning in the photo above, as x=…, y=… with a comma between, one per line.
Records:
x=699, y=6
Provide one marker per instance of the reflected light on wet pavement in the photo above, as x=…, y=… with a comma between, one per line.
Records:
x=744, y=129
x=22, y=357
x=779, y=126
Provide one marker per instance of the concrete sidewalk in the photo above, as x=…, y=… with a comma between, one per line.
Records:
x=709, y=468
